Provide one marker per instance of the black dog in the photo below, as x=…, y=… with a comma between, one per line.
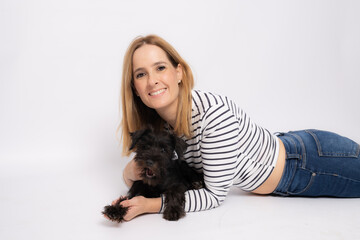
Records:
x=164, y=171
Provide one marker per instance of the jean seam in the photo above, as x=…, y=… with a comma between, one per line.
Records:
x=288, y=162
x=294, y=144
x=318, y=145
x=295, y=167
x=337, y=175
x=302, y=145
x=290, y=182
x=324, y=154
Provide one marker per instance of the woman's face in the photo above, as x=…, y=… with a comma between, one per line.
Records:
x=156, y=80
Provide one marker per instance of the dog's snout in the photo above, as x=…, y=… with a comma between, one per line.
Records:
x=149, y=163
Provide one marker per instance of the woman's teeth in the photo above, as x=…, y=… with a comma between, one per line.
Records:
x=157, y=92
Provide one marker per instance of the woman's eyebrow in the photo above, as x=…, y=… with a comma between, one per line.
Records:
x=155, y=64
x=159, y=63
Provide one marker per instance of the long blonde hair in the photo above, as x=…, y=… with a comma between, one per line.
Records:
x=135, y=114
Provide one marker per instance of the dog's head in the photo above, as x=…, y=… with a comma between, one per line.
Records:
x=156, y=151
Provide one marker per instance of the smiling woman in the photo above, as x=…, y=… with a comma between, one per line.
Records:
x=224, y=144
x=153, y=73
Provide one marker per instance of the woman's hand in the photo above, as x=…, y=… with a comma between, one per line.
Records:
x=140, y=205
x=131, y=173
x=137, y=206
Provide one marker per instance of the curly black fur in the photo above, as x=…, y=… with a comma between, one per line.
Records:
x=116, y=212
x=164, y=171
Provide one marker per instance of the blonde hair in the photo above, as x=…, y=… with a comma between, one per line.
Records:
x=135, y=114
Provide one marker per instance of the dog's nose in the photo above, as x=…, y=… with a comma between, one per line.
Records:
x=149, y=163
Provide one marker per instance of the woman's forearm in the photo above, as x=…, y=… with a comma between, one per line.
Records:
x=130, y=173
x=153, y=205
x=127, y=180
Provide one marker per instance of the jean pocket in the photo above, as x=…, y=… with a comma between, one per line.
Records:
x=302, y=181
x=333, y=145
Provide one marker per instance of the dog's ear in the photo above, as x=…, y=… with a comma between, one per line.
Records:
x=180, y=146
x=135, y=136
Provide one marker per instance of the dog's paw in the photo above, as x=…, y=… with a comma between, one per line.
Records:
x=119, y=200
x=173, y=213
x=115, y=213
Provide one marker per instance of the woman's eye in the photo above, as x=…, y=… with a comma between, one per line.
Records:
x=161, y=68
x=140, y=75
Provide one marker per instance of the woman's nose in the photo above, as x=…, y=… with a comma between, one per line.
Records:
x=152, y=79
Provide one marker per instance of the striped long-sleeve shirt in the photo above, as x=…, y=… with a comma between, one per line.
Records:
x=228, y=148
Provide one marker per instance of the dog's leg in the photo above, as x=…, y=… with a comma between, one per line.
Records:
x=116, y=212
x=192, y=179
x=138, y=188
x=141, y=189
x=174, y=203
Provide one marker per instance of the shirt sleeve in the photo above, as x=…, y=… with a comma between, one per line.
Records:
x=218, y=149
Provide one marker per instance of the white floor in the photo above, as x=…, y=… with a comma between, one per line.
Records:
x=65, y=203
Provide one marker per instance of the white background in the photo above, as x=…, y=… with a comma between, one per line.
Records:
x=289, y=64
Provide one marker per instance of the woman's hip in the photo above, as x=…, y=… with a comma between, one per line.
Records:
x=319, y=163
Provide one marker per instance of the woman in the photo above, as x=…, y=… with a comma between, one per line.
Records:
x=224, y=144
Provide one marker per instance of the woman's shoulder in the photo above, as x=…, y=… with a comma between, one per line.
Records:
x=206, y=98
x=211, y=110
x=202, y=101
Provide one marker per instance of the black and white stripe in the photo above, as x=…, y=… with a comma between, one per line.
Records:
x=228, y=148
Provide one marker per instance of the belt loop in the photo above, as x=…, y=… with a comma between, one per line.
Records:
x=293, y=156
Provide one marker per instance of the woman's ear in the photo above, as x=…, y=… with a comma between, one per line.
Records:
x=179, y=72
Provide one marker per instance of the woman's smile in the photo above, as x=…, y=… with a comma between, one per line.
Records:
x=157, y=92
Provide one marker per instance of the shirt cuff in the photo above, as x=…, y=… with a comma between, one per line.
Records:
x=162, y=208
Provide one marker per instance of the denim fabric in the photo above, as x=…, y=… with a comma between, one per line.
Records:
x=319, y=163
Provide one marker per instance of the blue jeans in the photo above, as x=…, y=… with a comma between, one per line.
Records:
x=319, y=163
